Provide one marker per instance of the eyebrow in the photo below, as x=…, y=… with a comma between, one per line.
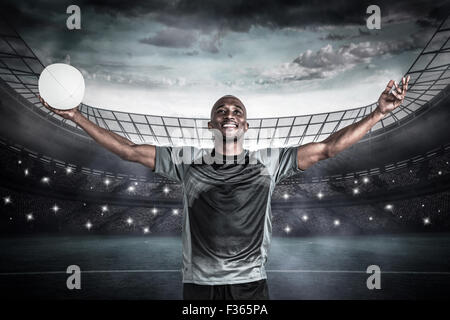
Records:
x=237, y=106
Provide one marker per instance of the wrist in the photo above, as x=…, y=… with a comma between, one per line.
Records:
x=377, y=112
x=76, y=116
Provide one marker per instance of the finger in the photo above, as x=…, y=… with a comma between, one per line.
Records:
x=399, y=91
x=45, y=104
x=403, y=85
x=397, y=96
x=48, y=106
x=407, y=82
x=389, y=86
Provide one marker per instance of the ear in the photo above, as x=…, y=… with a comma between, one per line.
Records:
x=210, y=125
x=246, y=126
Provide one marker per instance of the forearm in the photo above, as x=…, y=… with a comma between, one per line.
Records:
x=121, y=139
x=351, y=134
x=110, y=140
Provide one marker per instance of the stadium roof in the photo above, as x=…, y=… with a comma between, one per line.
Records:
x=430, y=74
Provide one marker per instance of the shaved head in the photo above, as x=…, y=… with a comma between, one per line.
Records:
x=228, y=99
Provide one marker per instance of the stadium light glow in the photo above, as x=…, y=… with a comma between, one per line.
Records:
x=439, y=172
x=55, y=208
x=366, y=180
x=305, y=217
x=166, y=190
x=154, y=211
x=135, y=183
x=320, y=195
x=129, y=221
x=107, y=181
x=19, y=162
x=287, y=229
x=30, y=217
x=389, y=207
x=146, y=230
x=355, y=191
x=7, y=200
x=285, y=196
x=336, y=223
x=68, y=170
x=370, y=218
x=131, y=188
x=104, y=208
x=26, y=172
x=88, y=225
x=45, y=180
x=175, y=212
x=426, y=221
x=355, y=181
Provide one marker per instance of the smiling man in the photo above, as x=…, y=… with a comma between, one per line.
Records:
x=227, y=192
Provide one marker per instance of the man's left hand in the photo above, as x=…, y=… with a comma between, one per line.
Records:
x=388, y=100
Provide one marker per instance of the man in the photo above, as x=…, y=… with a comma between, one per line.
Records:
x=227, y=192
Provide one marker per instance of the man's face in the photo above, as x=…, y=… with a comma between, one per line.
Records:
x=229, y=117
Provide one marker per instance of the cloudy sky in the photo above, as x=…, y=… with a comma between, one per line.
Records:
x=280, y=57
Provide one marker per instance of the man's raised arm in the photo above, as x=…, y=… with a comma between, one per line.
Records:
x=124, y=148
x=310, y=153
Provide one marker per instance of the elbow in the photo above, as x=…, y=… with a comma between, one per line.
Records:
x=128, y=153
x=329, y=151
x=330, y=155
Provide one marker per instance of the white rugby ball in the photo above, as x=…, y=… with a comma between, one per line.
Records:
x=61, y=86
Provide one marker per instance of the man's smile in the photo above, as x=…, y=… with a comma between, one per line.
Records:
x=229, y=124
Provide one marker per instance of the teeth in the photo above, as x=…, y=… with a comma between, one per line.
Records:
x=229, y=125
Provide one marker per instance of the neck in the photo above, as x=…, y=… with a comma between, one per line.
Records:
x=229, y=148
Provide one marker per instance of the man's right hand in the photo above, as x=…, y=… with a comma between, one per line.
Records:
x=66, y=114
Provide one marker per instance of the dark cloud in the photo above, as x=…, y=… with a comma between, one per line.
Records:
x=191, y=53
x=236, y=15
x=328, y=61
x=334, y=37
x=212, y=44
x=337, y=37
x=209, y=46
x=180, y=38
x=172, y=38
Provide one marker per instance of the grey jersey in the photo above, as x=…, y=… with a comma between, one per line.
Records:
x=227, y=215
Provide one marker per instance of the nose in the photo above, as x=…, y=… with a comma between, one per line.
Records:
x=229, y=115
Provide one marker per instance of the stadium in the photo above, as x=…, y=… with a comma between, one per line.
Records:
x=385, y=201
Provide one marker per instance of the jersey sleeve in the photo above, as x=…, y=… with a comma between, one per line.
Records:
x=282, y=163
x=169, y=162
